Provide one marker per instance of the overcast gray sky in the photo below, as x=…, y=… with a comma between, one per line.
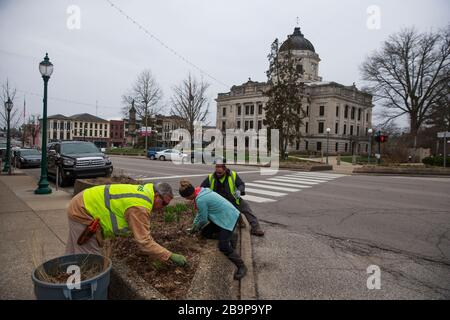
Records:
x=229, y=40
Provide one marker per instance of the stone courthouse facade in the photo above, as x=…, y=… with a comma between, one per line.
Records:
x=345, y=110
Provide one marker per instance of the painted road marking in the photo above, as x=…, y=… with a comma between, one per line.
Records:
x=292, y=181
x=260, y=185
x=265, y=192
x=282, y=184
x=305, y=179
x=257, y=199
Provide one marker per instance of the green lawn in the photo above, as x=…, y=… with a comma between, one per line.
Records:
x=359, y=159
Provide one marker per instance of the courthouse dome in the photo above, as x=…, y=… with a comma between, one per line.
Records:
x=297, y=41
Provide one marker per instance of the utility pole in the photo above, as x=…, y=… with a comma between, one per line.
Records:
x=146, y=116
x=445, y=149
x=379, y=147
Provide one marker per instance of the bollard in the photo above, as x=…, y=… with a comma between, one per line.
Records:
x=338, y=159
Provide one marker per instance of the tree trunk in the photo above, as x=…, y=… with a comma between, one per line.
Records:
x=413, y=133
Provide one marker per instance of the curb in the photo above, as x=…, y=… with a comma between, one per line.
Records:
x=247, y=284
x=401, y=171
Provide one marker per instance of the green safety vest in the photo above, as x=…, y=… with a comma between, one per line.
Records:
x=231, y=183
x=108, y=203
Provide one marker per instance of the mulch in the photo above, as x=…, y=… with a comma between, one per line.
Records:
x=170, y=280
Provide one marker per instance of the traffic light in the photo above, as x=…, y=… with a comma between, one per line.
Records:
x=380, y=137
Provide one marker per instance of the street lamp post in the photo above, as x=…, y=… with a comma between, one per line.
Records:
x=8, y=107
x=370, y=144
x=328, y=135
x=46, y=70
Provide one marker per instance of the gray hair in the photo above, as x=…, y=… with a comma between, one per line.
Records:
x=163, y=188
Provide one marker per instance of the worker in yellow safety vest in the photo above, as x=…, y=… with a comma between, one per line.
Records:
x=229, y=185
x=118, y=210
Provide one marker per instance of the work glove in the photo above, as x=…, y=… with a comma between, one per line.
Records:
x=193, y=229
x=237, y=194
x=178, y=259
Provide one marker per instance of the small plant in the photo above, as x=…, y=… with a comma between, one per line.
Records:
x=169, y=215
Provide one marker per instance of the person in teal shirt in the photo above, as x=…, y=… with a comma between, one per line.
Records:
x=215, y=215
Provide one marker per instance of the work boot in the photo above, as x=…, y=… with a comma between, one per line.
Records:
x=257, y=231
x=241, y=268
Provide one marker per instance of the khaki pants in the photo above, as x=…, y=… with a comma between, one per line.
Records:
x=72, y=247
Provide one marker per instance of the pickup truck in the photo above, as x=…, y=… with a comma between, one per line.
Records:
x=76, y=159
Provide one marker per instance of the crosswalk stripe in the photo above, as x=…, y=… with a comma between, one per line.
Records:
x=305, y=178
x=260, y=185
x=292, y=180
x=311, y=176
x=282, y=184
x=317, y=174
x=268, y=193
x=257, y=199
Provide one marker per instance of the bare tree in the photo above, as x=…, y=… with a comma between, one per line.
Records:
x=408, y=74
x=146, y=95
x=440, y=110
x=189, y=102
x=8, y=92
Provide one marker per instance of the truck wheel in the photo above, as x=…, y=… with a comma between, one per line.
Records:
x=152, y=157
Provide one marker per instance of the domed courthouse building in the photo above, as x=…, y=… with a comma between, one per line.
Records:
x=345, y=110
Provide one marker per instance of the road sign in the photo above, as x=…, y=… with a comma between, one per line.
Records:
x=443, y=134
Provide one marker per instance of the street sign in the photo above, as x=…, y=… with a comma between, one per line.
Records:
x=443, y=134
x=377, y=155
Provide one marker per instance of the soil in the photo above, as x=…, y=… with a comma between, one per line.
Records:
x=60, y=276
x=170, y=280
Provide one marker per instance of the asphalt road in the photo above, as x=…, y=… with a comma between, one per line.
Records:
x=324, y=230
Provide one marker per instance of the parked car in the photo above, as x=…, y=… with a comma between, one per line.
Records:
x=26, y=158
x=2, y=150
x=76, y=159
x=151, y=152
x=172, y=154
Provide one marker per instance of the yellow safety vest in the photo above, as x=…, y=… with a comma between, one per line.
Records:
x=109, y=203
x=231, y=183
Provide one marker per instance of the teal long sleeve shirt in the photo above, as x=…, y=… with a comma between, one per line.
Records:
x=215, y=208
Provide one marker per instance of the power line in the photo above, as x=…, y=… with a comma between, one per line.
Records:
x=69, y=101
x=162, y=43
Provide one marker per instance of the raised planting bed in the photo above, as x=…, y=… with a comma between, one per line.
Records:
x=208, y=274
x=168, y=228
x=407, y=170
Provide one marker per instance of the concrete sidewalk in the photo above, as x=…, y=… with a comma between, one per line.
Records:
x=32, y=227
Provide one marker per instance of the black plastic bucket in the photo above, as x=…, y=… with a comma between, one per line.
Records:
x=94, y=288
